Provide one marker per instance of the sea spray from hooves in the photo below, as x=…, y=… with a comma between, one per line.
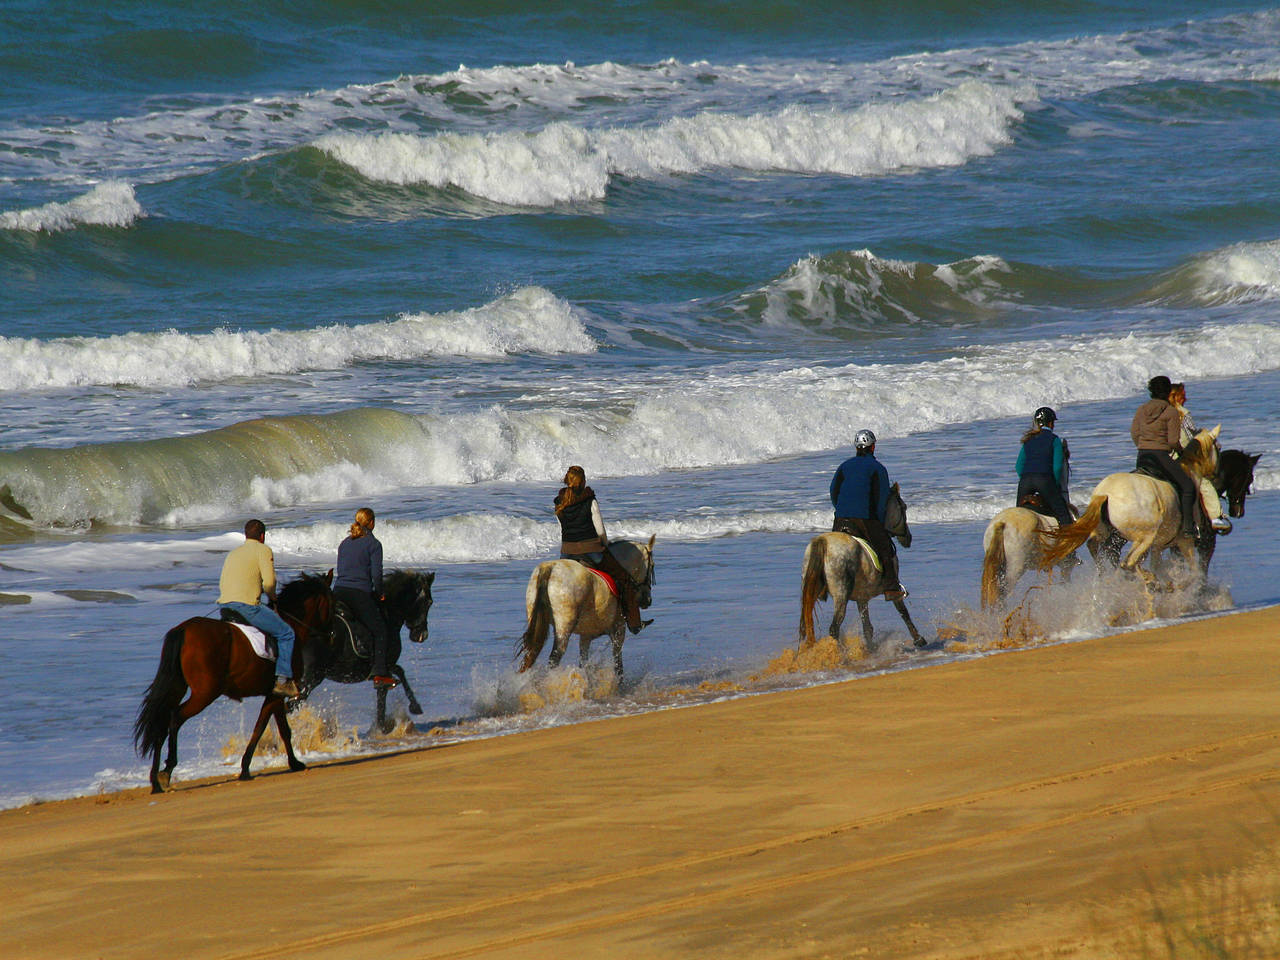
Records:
x=1052, y=609
x=543, y=688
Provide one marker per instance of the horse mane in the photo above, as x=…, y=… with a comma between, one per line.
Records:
x=298, y=591
x=1199, y=454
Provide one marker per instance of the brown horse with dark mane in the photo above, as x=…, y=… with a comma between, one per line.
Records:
x=212, y=658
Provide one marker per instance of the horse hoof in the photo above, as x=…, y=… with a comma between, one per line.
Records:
x=415, y=709
x=920, y=642
x=161, y=783
x=245, y=775
x=295, y=765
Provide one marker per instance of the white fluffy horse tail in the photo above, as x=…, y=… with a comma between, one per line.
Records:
x=540, y=619
x=994, y=566
x=813, y=586
x=1066, y=540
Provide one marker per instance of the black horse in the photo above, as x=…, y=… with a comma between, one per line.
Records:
x=1234, y=480
x=347, y=655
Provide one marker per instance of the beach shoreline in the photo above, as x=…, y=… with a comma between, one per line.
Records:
x=1010, y=806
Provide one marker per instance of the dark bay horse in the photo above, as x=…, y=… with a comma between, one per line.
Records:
x=345, y=656
x=843, y=567
x=212, y=659
x=1234, y=479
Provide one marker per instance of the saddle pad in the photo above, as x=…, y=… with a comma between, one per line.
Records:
x=875, y=557
x=608, y=580
x=257, y=639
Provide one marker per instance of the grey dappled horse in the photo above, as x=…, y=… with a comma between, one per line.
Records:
x=566, y=597
x=845, y=568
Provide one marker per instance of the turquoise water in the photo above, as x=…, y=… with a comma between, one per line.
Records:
x=288, y=259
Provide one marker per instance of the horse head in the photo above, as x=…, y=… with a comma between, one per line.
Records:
x=646, y=585
x=1234, y=478
x=409, y=600
x=895, y=517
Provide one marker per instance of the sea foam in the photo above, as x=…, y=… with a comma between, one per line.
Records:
x=528, y=320
x=564, y=163
x=657, y=421
x=109, y=204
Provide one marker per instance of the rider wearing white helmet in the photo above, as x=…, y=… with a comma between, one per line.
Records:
x=1042, y=465
x=860, y=494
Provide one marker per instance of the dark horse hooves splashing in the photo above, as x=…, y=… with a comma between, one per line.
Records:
x=344, y=655
x=212, y=658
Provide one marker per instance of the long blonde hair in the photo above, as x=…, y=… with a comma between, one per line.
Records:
x=363, y=523
x=575, y=488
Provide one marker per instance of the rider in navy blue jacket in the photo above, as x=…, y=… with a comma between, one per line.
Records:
x=1042, y=465
x=860, y=494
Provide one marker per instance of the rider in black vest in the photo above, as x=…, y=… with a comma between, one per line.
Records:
x=583, y=538
x=1042, y=465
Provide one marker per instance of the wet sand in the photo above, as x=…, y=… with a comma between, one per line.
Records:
x=1038, y=803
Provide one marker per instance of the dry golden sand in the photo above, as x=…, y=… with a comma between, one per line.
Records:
x=1031, y=804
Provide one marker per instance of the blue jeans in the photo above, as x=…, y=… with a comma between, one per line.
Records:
x=268, y=621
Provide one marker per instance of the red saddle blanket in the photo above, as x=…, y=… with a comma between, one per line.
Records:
x=608, y=580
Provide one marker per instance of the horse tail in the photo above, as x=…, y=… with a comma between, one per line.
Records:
x=161, y=699
x=994, y=566
x=813, y=585
x=1066, y=540
x=540, y=618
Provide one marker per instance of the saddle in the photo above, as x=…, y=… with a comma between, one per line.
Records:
x=263, y=643
x=361, y=642
x=1146, y=468
x=1033, y=501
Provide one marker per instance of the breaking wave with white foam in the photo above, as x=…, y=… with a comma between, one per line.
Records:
x=1241, y=273
x=564, y=163
x=109, y=204
x=529, y=320
x=654, y=422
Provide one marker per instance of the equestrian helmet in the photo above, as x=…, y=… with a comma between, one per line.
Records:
x=1045, y=417
x=864, y=440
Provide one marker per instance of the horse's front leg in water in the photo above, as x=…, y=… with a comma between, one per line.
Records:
x=864, y=611
x=618, y=636
x=916, y=639
x=415, y=707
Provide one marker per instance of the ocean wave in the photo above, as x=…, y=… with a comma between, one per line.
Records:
x=210, y=130
x=858, y=291
x=109, y=204
x=1241, y=273
x=655, y=422
x=529, y=320
x=565, y=163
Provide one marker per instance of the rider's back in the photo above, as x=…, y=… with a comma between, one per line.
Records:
x=1155, y=426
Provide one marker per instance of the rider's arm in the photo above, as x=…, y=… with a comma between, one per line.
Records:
x=267, y=567
x=1059, y=462
x=597, y=521
x=1022, y=458
x=880, y=492
x=375, y=567
x=836, y=483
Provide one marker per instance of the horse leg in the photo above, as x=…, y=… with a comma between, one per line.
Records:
x=561, y=643
x=839, y=605
x=261, y=725
x=619, y=634
x=380, y=709
x=864, y=611
x=195, y=702
x=916, y=639
x=415, y=707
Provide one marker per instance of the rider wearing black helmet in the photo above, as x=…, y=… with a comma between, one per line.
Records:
x=860, y=494
x=1042, y=465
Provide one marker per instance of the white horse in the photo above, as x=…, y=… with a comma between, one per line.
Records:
x=1015, y=541
x=1140, y=509
x=567, y=596
x=846, y=568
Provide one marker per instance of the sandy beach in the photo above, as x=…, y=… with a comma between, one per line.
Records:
x=1065, y=801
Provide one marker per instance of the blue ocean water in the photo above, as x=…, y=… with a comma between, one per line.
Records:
x=288, y=259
